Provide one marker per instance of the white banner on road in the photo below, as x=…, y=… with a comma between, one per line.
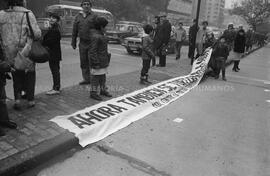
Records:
x=99, y=121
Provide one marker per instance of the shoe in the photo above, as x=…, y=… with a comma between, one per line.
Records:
x=158, y=65
x=84, y=83
x=31, y=104
x=106, y=94
x=53, y=92
x=9, y=124
x=24, y=96
x=216, y=77
x=235, y=70
x=224, y=79
x=96, y=97
x=17, y=105
x=238, y=69
x=2, y=133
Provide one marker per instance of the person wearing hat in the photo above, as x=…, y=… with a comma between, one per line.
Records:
x=51, y=40
x=229, y=35
x=82, y=27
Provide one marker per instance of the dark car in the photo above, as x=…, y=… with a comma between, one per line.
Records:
x=123, y=30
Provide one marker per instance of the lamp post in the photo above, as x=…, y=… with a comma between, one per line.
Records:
x=197, y=25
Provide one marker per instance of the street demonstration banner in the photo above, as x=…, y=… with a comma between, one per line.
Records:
x=97, y=122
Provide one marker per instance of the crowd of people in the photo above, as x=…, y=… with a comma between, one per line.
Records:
x=90, y=30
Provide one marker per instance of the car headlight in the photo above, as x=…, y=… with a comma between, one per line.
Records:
x=125, y=41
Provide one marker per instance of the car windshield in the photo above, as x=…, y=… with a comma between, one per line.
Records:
x=121, y=27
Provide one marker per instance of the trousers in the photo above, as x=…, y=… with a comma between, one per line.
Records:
x=84, y=60
x=24, y=81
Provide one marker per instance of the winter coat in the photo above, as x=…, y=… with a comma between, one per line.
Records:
x=82, y=26
x=13, y=26
x=162, y=34
x=192, y=33
x=239, y=43
x=147, y=48
x=201, y=36
x=221, y=51
x=98, y=51
x=229, y=36
x=51, y=40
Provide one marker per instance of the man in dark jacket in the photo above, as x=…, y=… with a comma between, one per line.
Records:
x=5, y=66
x=161, y=39
x=82, y=27
x=192, y=35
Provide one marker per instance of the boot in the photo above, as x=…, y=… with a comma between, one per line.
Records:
x=147, y=81
x=142, y=80
x=105, y=93
x=237, y=65
x=95, y=96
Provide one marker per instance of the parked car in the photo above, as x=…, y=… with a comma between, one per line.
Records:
x=134, y=44
x=123, y=30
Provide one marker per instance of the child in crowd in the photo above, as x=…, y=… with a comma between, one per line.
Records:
x=147, y=53
x=99, y=59
x=52, y=41
x=220, y=55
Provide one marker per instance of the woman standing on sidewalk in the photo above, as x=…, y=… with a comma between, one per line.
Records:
x=239, y=48
x=15, y=34
x=52, y=41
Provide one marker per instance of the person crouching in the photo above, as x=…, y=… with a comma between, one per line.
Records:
x=220, y=54
x=99, y=59
x=147, y=53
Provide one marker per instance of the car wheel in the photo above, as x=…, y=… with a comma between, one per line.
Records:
x=129, y=51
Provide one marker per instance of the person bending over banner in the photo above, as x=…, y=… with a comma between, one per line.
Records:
x=99, y=59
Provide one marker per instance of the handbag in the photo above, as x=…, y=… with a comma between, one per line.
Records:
x=21, y=62
x=38, y=52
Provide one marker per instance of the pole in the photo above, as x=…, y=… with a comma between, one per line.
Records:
x=197, y=25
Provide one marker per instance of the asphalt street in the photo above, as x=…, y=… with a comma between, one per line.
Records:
x=218, y=129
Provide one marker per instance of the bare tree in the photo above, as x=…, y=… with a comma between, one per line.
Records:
x=254, y=12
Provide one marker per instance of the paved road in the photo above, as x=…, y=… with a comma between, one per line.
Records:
x=70, y=67
x=223, y=131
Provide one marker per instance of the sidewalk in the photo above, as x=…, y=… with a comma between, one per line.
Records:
x=38, y=140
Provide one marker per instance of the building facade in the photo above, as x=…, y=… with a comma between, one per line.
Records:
x=180, y=10
x=211, y=11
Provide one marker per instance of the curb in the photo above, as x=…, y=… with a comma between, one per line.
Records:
x=31, y=158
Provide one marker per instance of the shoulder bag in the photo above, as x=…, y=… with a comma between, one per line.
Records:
x=38, y=53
